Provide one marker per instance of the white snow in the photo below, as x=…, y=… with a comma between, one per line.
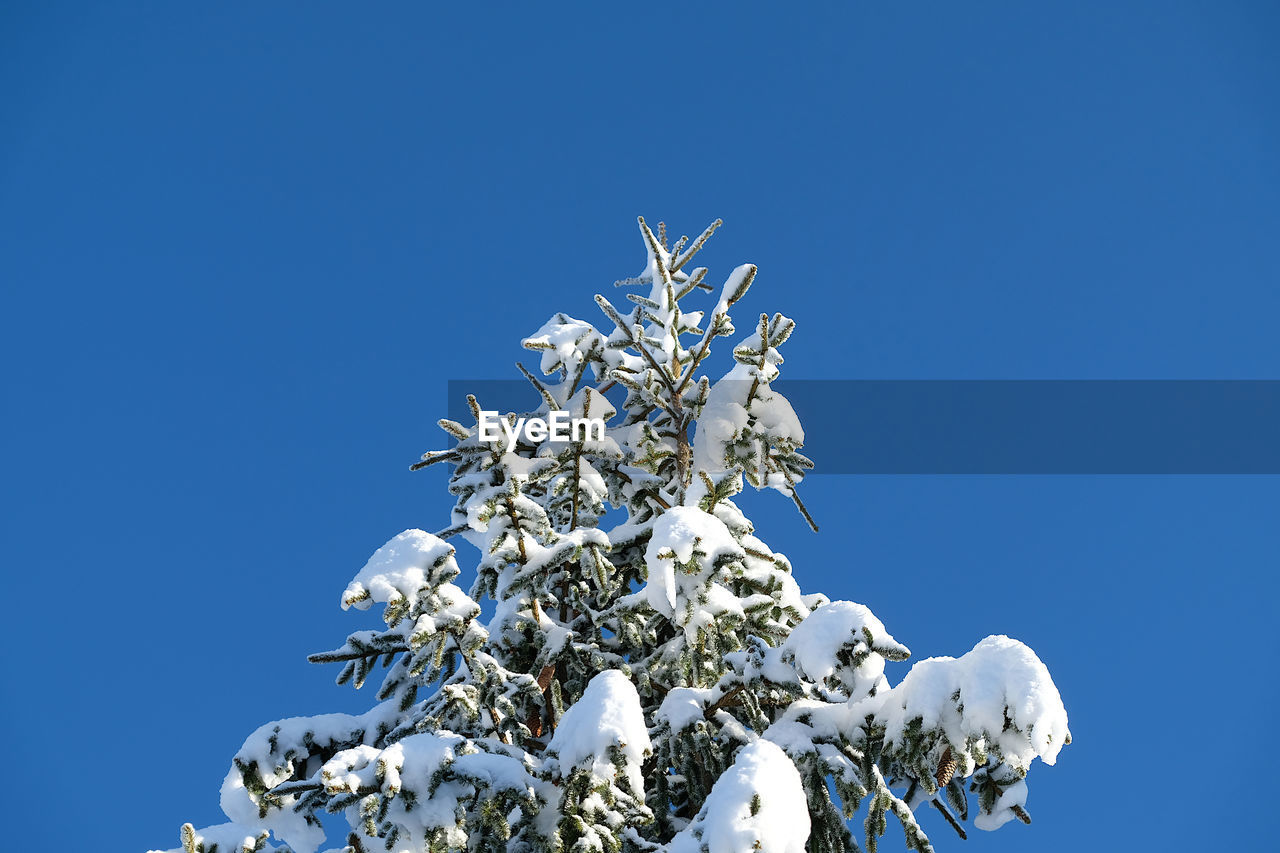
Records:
x=761, y=570
x=451, y=607
x=1002, y=812
x=683, y=706
x=241, y=806
x=230, y=838
x=762, y=778
x=999, y=674
x=726, y=420
x=398, y=569
x=732, y=285
x=412, y=764
x=266, y=748
x=608, y=714
x=564, y=342
x=722, y=418
x=812, y=645
x=677, y=534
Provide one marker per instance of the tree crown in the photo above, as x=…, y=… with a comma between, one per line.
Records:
x=652, y=677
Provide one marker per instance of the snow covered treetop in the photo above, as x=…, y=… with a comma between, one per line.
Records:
x=651, y=677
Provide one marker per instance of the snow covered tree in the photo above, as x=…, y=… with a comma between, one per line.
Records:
x=652, y=678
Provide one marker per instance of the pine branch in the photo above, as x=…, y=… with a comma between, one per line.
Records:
x=692, y=281
x=715, y=322
x=636, y=339
x=657, y=252
x=655, y=498
x=547, y=396
x=697, y=245
x=337, y=655
x=795, y=497
x=951, y=820
x=662, y=374
x=431, y=457
x=764, y=351
x=723, y=701
x=497, y=726
x=452, y=531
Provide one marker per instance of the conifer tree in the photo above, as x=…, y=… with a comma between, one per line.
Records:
x=652, y=677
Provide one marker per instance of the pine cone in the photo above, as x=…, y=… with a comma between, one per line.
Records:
x=534, y=724
x=946, y=768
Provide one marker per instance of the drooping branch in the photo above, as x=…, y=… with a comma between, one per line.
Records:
x=950, y=819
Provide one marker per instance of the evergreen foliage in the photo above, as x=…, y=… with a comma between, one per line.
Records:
x=652, y=678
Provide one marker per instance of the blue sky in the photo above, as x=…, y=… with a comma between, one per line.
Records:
x=244, y=247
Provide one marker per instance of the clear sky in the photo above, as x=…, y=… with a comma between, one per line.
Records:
x=244, y=246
